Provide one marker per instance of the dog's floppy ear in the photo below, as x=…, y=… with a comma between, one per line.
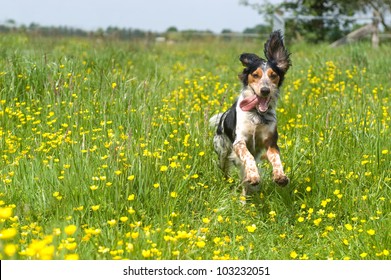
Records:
x=276, y=53
x=248, y=58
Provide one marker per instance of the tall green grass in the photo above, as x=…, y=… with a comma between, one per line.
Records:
x=107, y=154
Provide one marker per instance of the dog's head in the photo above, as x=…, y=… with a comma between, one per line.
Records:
x=263, y=77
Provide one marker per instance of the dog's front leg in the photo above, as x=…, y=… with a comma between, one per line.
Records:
x=248, y=163
x=273, y=155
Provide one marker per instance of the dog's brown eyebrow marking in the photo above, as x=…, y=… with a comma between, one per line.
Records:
x=274, y=77
x=257, y=74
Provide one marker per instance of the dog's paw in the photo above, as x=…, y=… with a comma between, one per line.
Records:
x=252, y=178
x=247, y=190
x=281, y=180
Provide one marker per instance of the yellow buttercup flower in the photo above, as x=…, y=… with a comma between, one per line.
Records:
x=112, y=222
x=293, y=255
x=163, y=168
x=71, y=257
x=5, y=212
x=251, y=228
x=71, y=229
x=348, y=227
x=8, y=233
x=317, y=221
x=10, y=250
x=146, y=253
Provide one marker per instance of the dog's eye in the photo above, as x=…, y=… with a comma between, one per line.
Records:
x=273, y=75
x=255, y=75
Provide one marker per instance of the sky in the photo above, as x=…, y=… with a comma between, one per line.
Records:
x=148, y=15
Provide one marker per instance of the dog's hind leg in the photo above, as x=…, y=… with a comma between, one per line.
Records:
x=223, y=148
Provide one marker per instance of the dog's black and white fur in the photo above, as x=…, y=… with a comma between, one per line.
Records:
x=250, y=125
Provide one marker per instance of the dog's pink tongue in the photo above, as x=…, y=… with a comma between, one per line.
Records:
x=251, y=102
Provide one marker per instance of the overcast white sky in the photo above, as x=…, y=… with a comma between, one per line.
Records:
x=151, y=15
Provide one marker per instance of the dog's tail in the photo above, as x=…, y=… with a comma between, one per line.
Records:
x=215, y=120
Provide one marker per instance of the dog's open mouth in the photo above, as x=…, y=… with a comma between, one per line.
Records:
x=259, y=102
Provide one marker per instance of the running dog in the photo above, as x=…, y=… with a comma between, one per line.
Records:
x=250, y=125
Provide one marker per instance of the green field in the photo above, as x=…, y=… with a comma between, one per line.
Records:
x=106, y=153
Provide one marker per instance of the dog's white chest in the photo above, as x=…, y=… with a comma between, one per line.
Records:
x=253, y=131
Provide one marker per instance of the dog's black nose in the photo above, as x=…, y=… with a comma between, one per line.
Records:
x=265, y=91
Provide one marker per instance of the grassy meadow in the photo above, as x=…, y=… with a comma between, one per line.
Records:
x=106, y=153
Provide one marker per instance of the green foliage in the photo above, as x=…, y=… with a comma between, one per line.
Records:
x=107, y=154
x=318, y=30
x=322, y=30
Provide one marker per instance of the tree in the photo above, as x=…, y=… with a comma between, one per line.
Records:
x=172, y=29
x=382, y=7
x=319, y=29
x=10, y=23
